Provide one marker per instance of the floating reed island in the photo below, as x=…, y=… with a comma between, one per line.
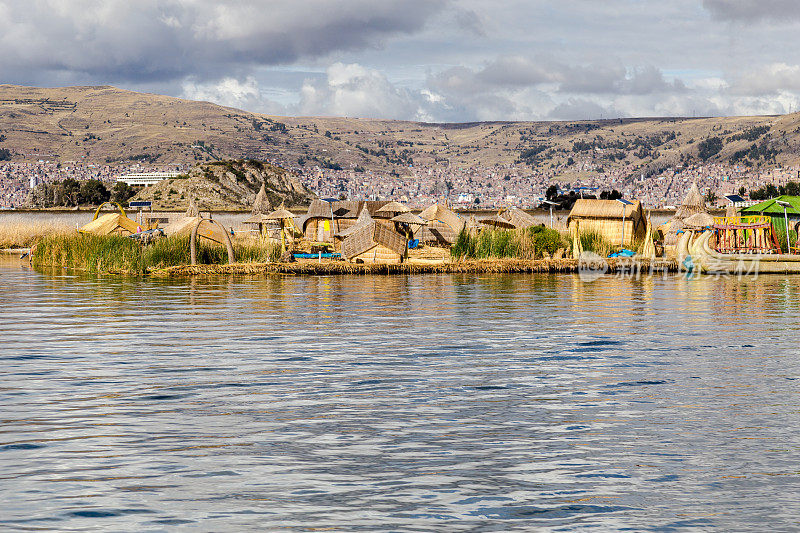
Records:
x=404, y=243
x=380, y=237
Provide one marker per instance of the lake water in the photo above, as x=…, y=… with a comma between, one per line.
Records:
x=418, y=403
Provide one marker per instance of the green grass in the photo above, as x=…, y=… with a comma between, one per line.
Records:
x=114, y=254
x=593, y=241
x=528, y=243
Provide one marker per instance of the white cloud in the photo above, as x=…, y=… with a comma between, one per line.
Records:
x=233, y=93
x=355, y=91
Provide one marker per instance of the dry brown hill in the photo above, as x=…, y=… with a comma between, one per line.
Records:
x=227, y=185
x=105, y=124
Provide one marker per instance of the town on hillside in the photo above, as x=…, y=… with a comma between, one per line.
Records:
x=461, y=187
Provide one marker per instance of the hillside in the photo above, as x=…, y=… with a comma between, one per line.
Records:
x=228, y=185
x=109, y=125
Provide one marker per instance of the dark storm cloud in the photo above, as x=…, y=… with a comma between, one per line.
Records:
x=162, y=40
x=753, y=10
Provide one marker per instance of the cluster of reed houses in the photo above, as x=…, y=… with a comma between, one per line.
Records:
x=382, y=231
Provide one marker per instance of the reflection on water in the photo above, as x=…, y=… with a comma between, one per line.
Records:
x=416, y=403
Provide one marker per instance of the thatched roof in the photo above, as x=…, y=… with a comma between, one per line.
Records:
x=256, y=218
x=352, y=208
x=409, y=218
x=444, y=215
x=472, y=225
x=364, y=237
x=393, y=207
x=110, y=223
x=279, y=214
x=363, y=219
x=261, y=205
x=519, y=218
x=692, y=204
x=346, y=209
x=496, y=221
x=206, y=229
x=587, y=208
x=698, y=220
x=319, y=209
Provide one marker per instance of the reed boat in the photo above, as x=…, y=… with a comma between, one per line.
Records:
x=735, y=245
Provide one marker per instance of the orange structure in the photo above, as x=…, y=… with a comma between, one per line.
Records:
x=746, y=234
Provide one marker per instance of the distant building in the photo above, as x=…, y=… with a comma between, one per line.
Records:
x=146, y=178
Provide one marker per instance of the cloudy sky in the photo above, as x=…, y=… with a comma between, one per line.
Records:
x=430, y=60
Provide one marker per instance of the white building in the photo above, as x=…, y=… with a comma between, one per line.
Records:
x=146, y=178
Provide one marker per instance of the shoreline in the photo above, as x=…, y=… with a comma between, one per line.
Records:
x=326, y=268
x=501, y=266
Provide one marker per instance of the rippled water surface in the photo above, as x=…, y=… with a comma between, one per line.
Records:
x=448, y=403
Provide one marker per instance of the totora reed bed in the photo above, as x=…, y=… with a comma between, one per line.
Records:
x=170, y=257
x=115, y=254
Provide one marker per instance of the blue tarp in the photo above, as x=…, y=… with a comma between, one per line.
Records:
x=315, y=256
x=623, y=253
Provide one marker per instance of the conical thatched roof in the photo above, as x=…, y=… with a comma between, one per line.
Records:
x=692, y=204
x=393, y=207
x=472, y=225
x=363, y=219
x=698, y=220
x=279, y=214
x=261, y=204
x=409, y=218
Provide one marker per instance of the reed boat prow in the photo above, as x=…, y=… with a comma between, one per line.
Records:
x=708, y=260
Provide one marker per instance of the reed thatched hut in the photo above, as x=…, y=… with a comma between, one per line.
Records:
x=372, y=242
x=519, y=218
x=207, y=230
x=318, y=223
x=693, y=204
x=606, y=218
x=111, y=224
x=363, y=219
x=345, y=215
x=443, y=226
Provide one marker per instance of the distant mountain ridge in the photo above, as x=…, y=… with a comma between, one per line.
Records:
x=109, y=125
